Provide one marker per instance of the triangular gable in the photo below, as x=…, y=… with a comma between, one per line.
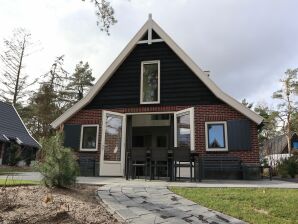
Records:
x=152, y=26
x=13, y=127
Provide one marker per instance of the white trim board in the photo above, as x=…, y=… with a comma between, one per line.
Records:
x=151, y=24
x=142, y=82
x=81, y=139
x=25, y=126
x=226, y=148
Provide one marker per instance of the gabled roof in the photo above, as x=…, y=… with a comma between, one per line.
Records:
x=278, y=144
x=149, y=26
x=13, y=128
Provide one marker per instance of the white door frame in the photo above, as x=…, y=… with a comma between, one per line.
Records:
x=112, y=168
x=192, y=127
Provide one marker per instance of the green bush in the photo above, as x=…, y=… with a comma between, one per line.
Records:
x=57, y=164
x=288, y=167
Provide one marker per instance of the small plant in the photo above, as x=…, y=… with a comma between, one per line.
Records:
x=8, y=199
x=58, y=164
x=288, y=167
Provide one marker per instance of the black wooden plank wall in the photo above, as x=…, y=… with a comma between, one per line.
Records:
x=179, y=85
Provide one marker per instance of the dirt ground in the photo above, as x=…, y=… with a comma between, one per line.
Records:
x=37, y=204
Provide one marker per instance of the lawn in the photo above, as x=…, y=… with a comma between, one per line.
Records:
x=11, y=182
x=248, y=204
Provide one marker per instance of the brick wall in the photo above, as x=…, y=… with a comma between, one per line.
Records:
x=203, y=113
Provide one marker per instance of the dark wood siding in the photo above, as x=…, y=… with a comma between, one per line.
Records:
x=179, y=85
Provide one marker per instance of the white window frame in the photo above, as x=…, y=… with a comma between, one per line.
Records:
x=158, y=89
x=225, y=137
x=81, y=141
x=192, y=127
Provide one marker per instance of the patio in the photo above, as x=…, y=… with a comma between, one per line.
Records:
x=265, y=183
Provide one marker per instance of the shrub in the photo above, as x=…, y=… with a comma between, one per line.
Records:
x=288, y=167
x=57, y=164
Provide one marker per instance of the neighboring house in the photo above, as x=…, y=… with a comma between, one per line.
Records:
x=154, y=95
x=13, y=133
x=276, y=148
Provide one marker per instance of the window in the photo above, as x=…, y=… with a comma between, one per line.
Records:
x=89, y=138
x=216, y=136
x=150, y=82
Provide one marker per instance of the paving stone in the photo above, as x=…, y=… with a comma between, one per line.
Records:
x=115, y=189
x=197, y=209
x=196, y=220
x=184, y=208
x=176, y=212
x=140, y=211
x=150, y=218
x=129, y=203
x=122, y=198
x=146, y=205
x=175, y=220
x=186, y=202
x=138, y=200
x=126, y=214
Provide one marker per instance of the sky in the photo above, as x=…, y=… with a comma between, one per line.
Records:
x=247, y=45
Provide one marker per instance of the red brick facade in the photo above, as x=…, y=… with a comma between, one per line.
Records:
x=203, y=113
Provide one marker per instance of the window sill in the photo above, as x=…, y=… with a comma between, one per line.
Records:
x=88, y=150
x=217, y=150
x=156, y=102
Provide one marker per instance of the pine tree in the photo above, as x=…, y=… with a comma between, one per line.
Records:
x=57, y=164
x=287, y=96
x=80, y=81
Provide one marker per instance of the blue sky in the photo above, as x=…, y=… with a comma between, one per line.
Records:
x=247, y=45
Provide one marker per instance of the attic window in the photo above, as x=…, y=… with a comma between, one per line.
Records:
x=150, y=82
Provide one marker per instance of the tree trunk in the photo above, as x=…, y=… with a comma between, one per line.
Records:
x=289, y=136
x=18, y=74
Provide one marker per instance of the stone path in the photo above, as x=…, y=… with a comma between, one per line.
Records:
x=146, y=205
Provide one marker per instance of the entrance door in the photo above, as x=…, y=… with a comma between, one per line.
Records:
x=112, y=144
x=184, y=128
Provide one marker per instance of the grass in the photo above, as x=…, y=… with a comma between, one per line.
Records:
x=17, y=182
x=12, y=169
x=279, y=206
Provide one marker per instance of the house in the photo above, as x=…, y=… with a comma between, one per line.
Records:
x=15, y=139
x=154, y=95
x=276, y=148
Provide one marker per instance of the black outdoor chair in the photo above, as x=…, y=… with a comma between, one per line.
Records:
x=159, y=159
x=181, y=159
x=138, y=159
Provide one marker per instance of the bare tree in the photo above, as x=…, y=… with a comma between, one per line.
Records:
x=105, y=14
x=288, y=105
x=14, y=80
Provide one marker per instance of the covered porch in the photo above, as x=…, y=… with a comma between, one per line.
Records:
x=143, y=144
